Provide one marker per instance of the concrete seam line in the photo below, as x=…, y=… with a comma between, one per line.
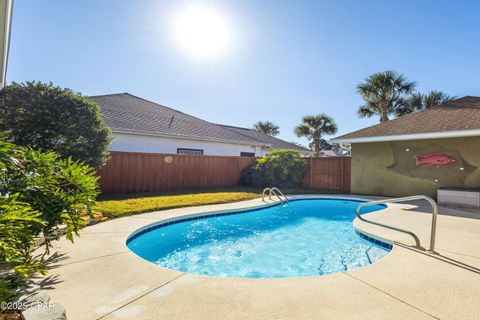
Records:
x=460, y=254
x=141, y=296
x=99, y=257
x=391, y=296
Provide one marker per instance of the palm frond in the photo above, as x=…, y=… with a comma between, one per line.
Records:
x=384, y=93
x=303, y=130
x=266, y=127
x=316, y=125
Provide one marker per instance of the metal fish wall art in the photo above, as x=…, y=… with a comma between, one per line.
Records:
x=437, y=159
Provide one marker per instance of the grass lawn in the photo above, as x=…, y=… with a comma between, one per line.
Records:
x=135, y=203
x=129, y=204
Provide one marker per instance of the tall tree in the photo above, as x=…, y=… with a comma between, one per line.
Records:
x=43, y=116
x=384, y=93
x=267, y=127
x=419, y=101
x=313, y=127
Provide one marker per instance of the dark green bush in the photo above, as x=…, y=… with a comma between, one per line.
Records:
x=280, y=168
x=38, y=192
x=43, y=116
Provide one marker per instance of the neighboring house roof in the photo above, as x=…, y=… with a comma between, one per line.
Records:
x=272, y=142
x=126, y=113
x=456, y=118
x=130, y=114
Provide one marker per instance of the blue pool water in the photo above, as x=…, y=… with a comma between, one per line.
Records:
x=303, y=238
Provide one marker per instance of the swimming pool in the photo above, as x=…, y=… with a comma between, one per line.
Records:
x=305, y=237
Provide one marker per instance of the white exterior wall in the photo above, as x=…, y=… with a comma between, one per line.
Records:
x=152, y=144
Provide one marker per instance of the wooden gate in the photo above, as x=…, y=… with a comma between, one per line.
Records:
x=332, y=173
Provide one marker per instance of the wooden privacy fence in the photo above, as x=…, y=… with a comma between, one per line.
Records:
x=128, y=172
x=332, y=173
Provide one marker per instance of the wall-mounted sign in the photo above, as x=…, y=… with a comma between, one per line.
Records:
x=437, y=159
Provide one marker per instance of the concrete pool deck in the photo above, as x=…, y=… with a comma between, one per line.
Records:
x=98, y=277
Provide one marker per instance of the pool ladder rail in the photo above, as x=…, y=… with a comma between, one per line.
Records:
x=419, y=197
x=276, y=192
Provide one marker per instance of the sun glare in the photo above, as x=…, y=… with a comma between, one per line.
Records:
x=202, y=31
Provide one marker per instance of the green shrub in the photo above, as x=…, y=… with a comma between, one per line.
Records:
x=38, y=192
x=43, y=116
x=60, y=189
x=280, y=168
x=17, y=222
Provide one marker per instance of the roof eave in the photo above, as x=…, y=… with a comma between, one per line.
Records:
x=411, y=136
x=250, y=143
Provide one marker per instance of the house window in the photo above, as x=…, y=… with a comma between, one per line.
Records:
x=195, y=152
x=247, y=154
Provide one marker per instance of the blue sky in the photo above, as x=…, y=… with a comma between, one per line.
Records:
x=286, y=59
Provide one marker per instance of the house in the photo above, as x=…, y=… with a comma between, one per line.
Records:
x=418, y=153
x=6, y=7
x=140, y=125
x=332, y=149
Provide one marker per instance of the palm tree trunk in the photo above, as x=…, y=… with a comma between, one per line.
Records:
x=384, y=106
x=316, y=146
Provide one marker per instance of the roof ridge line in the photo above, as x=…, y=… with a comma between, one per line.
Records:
x=230, y=126
x=107, y=94
x=266, y=143
x=158, y=104
x=253, y=130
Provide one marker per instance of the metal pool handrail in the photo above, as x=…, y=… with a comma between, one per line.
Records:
x=275, y=190
x=419, y=197
x=272, y=190
x=264, y=191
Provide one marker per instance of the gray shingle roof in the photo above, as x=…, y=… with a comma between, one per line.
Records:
x=273, y=142
x=128, y=113
x=456, y=115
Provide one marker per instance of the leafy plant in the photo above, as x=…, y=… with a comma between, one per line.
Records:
x=60, y=189
x=47, y=117
x=38, y=192
x=18, y=222
x=280, y=168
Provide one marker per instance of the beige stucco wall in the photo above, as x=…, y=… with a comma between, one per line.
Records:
x=371, y=161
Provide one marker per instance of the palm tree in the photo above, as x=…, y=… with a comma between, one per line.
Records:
x=419, y=101
x=266, y=127
x=313, y=127
x=384, y=93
